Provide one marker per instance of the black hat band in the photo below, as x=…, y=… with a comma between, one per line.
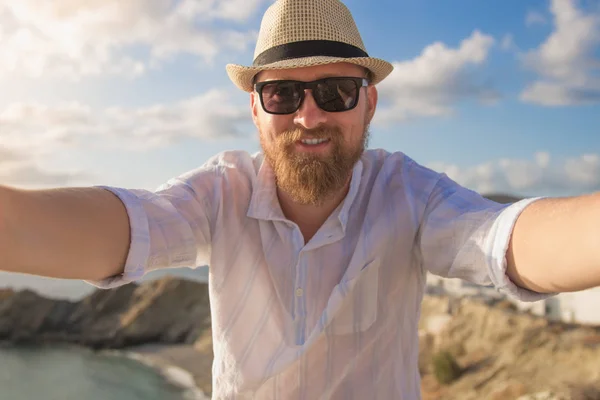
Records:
x=308, y=48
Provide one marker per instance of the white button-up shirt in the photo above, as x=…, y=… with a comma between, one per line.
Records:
x=334, y=318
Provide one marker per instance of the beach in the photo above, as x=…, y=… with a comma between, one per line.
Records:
x=181, y=365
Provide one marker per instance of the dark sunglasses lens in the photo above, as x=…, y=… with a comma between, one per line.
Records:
x=281, y=97
x=336, y=94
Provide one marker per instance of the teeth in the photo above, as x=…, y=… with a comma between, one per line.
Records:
x=313, y=141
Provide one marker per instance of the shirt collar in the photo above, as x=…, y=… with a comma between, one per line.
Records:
x=264, y=203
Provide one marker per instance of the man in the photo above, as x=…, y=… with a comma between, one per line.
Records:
x=318, y=249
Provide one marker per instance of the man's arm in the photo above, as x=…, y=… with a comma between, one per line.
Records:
x=555, y=245
x=73, y=233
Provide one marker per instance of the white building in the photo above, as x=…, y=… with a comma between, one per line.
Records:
x=460, y=288
x=579, y=307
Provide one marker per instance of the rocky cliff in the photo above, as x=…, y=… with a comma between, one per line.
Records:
x=170, y=311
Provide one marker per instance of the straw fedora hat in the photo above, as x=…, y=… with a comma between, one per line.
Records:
x=304, y=33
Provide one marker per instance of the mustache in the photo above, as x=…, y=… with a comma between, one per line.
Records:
x=295, y=134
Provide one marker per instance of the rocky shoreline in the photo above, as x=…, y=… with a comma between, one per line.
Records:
x=164, y=324
x=166, y=311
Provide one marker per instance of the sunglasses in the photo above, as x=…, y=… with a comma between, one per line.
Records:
x=331, y=94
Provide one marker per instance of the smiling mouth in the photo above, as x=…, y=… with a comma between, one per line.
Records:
x=313, y=142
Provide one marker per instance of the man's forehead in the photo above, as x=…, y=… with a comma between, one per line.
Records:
x=312, y=73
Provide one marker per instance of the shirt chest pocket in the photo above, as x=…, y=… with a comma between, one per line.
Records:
x=359, y=302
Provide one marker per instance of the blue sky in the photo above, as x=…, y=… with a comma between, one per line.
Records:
x=502, y=96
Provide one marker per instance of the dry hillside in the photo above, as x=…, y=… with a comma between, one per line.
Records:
x=506, y=355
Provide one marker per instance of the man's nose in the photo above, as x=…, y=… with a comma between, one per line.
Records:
x=309, y=115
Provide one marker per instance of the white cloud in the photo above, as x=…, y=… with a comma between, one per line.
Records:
x=565, y=62
x=542, y=175
x=41, y=129
x=238, y=10
x=30, y=175
x=211, y=116
x=508, y=43
x=32, y=134
x=432, y=83
x=535, y=18
x=38, y=129
x=20, y=167
x=8, y=155
x=72, y=38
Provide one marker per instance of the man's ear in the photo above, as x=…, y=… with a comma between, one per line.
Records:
x=372, y=98
x=254, y=104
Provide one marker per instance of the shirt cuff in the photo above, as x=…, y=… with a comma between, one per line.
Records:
x=499, y=238
x=139, y=246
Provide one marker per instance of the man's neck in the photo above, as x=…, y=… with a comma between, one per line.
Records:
x=308, y=217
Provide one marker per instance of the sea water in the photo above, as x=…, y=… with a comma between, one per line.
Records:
x=70, y=373
x=67, y=373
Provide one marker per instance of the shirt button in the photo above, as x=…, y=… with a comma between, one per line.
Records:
x=299, y=292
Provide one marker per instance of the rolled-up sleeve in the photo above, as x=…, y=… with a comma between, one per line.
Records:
x=464, y=235
x=139, y=245
x=169, y=228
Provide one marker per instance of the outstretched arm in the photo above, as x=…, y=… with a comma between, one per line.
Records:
x=71, y=233
x=555, y=245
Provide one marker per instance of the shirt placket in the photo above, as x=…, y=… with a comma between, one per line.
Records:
x=299, y=309
x=300, y=298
